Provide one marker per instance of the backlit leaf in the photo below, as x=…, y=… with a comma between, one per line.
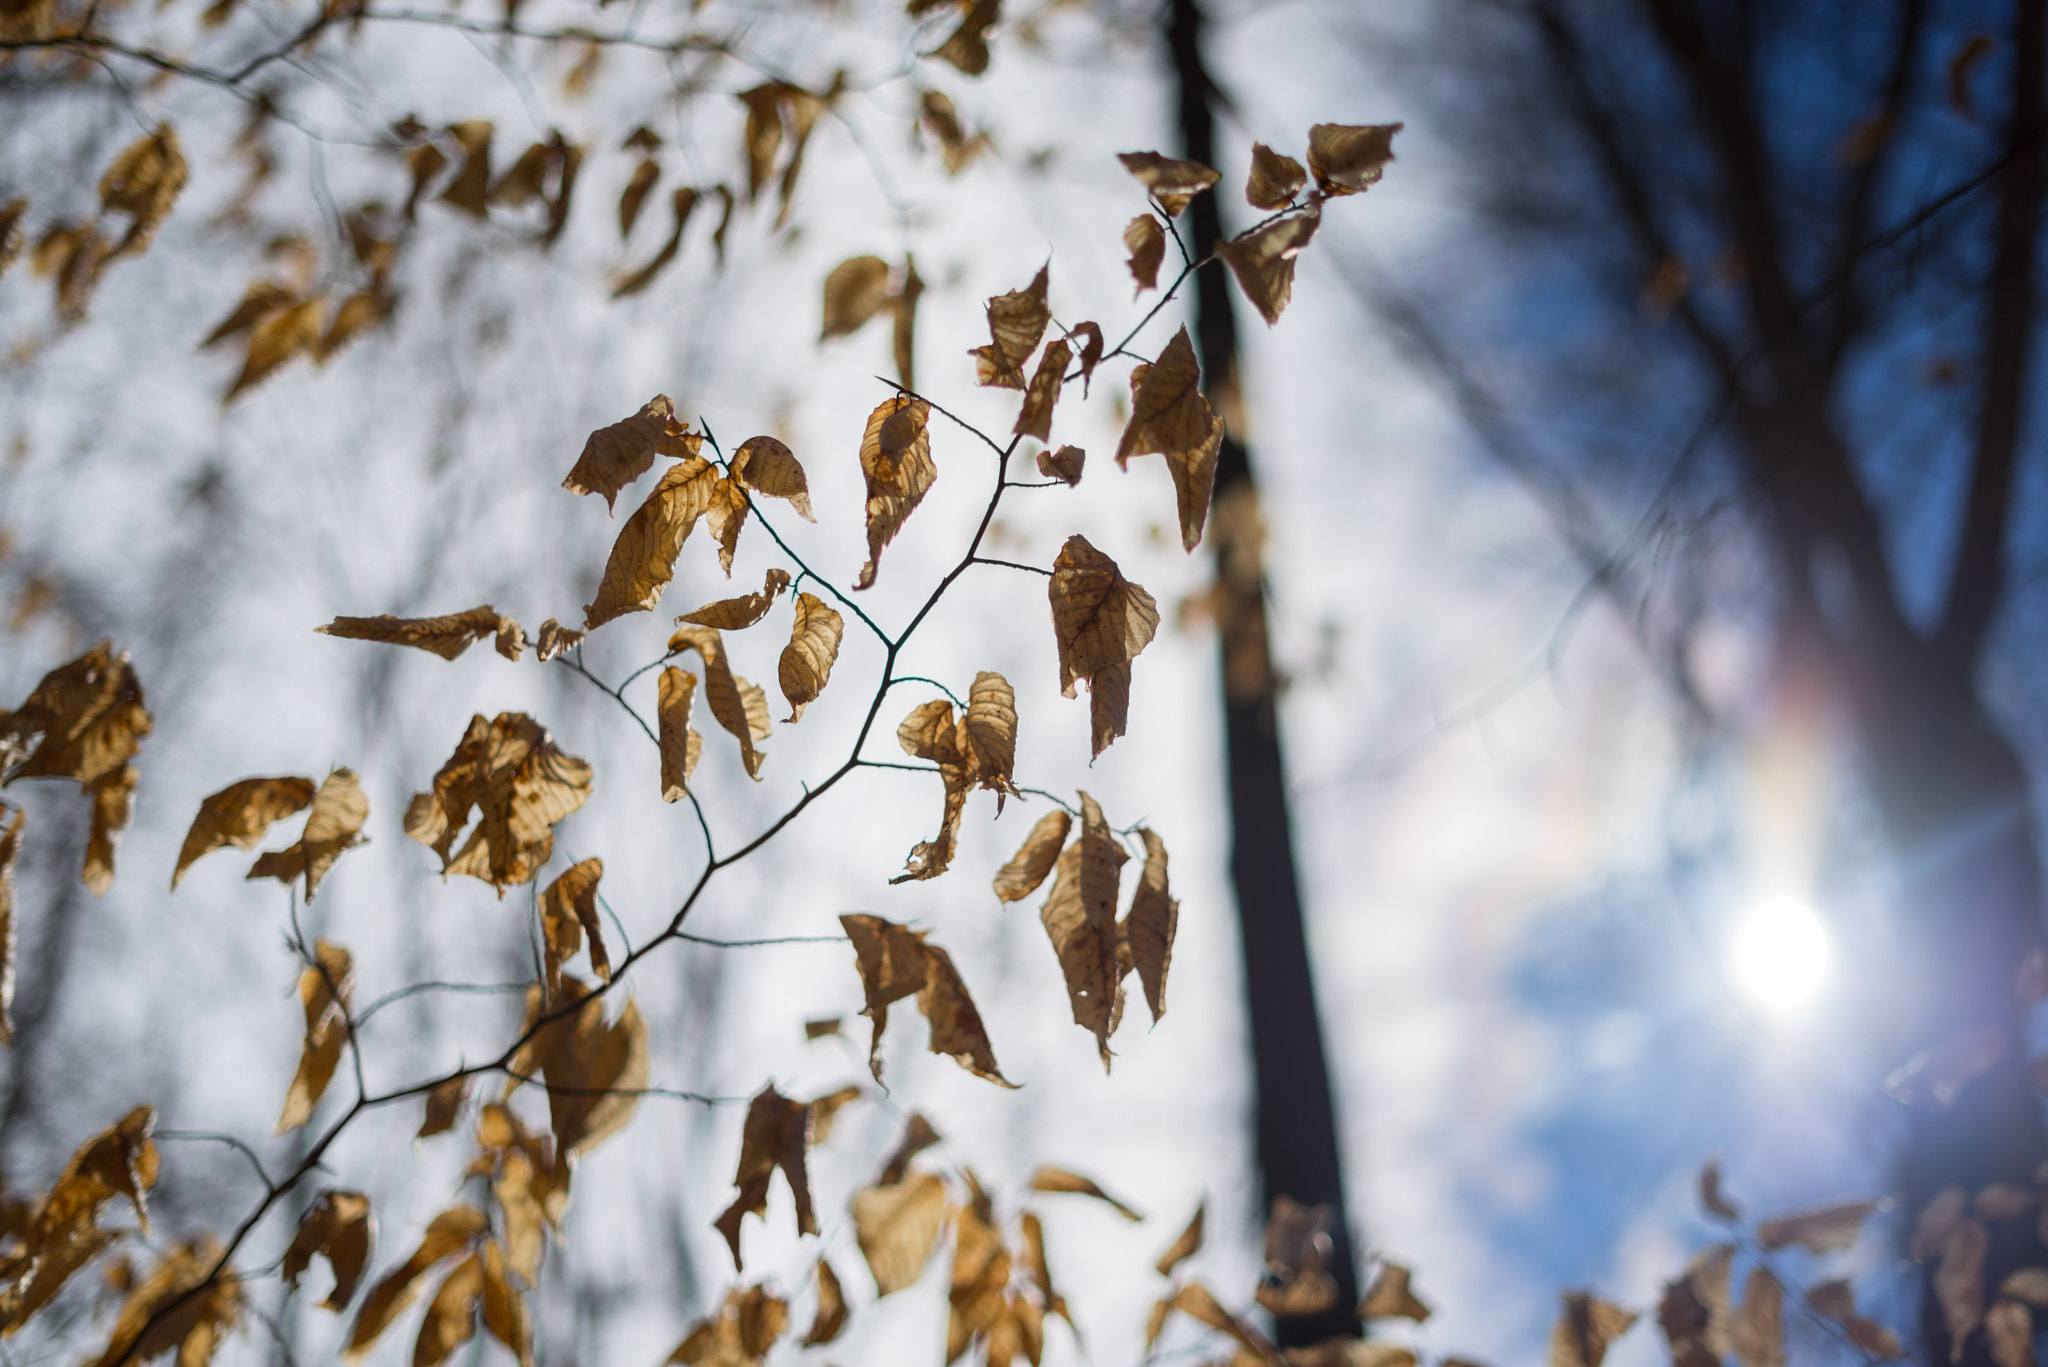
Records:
x=1080, y=919
x=568, y=913
x=161, y=1313
x=938, y=116
x=903, y=336
x=451, y=1316
x=1063, y=464
x=1145, y=240
x=739, y=1334
x=680, y=744
x=1035, y=418
x=776, y=1135
x=956, y=1026
x=1015, y=323
x=635, y=194
x=929, y=733
x=825, y=1109
x=855, y=291
x=1173, y=183
x=143, y=182
x=1186, y=1244
x=594, y=1068
x=323, y=995
x=988, y=734
x=444, y=1107
x=726, y=693
x=1199, y=1303
x=12, y=214
x=510, y=772
x=830, y=1320
x=1262, y=259
x=1169, y=415
x=333, y=827
x=897, y=1227
x=1035, y=858
x=1101, y=621
x=766, y=466
x=446, y=636
x=338, y=1226
x=1584, y=1328
x=725, y=516
x=83, y=721
x=1148, y=929
x=1346, y=159
x=1295, y=1279
x=806, y=663
x=555, y=639
x=1060, y=1180
x=896, y=459
x=895, y=962
x=1757, y=1334
x=450, y=1232
x=112, y=795
x=470, y=191
x=736, y=614
x=1275, y=179
x=644, y=556
x=683, y=202
x=1819, y=1231
x=505, y=1308
x=279, y=336
x=615, y=456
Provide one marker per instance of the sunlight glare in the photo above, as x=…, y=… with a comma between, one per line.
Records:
x=1781, y=955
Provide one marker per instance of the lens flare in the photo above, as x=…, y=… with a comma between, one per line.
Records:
x=1781, y=956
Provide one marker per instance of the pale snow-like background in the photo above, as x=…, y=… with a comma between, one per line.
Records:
x=1517, y=926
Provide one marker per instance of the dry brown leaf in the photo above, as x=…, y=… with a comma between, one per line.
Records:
x=1820, y=1231
x=1035, y=418
x=1169, y=415
x=929, y=733
x=895, y=962
x=1062, y=1181
x=725, y=516
x=855, y=291
x=1346, y=159
x=323, y=994
x=822, y=1028
x=956, y=1026
x=806, y=663
x=918, y=1135
x=555, y=639
x=2029, y=1284
x=1099, y=617
x=1028, y=867
x=568, y=913
x=903, y=336
x=449, y=1233
x=825, y=1110
x=1063, y=464
x=1933, y=1078
x=737, y=614
x=830, y=1319
x=451, y=1316
x=1585, y=1327
x=727, y=694
x=143, y=183
x=1757, y=1334
x=1262, y=259
x=161, y=1313
x=84, y=721
x=259, y=301
x=278, y=337
x=897, y=1227
x=615, y=456
x=967, y=46
x=510, y=771
x=683, y=202
x=525, y=180
x=358, y=313
x=333, y=827
x=1186, y=1244
x=1958, y=1283
x=739, y=1335
x=981, y=1272
x=938, y=116
x=505, y=1309
x=112, y=796
x=776, y=1134
x=1173, y=183
x=470, y=191
x=2009, y=1325
x=1199, y=1303
x=766, y=466
x=896, y=458
x=446, y=636
x=444, y=1107
x=644, y=556
x=1080, y=919
x=1148, y=928
x=10, y=850
x=339, y=1227
x=1390, y=1296
x=1016, y=321
x=1712, y=1199
x=635, y=194
x=1937, y=1220
x=680, y=744
x=1275, y=179
x=988, y=734
x=593, y=1069
x=2002, y=1201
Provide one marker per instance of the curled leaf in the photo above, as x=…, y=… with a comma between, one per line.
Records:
x=929, y=733
x=806, y=663
x=736, y=614
x=766, y=466
x=1173, y=183
x=323, y=994
x=333, y=828
x=855, y=291
x=1147, y=930
x=448, y=1234
x=188, y=1304
x=568, y=914
x=1060, y=1180
x=615, y=456
x=988, y=734
x=1820, y=1231
x=644, y=556
x=684, y=201
x=520, y=784
x=1348, y=158
x=1063, y=464
x=446, y=636
x=1080, y=919
x=1263, y=260
x=1016, y=321
x=338, y=1226
x=830, y=1320
x=896, y=458
x=680, y=744
x=1169, y=415
x=897, y=1226
x=1035, y=418
x=555, y=640
x=738, y=706
x=1584, y=1328
x=143, y=182
x=1186, y=1244
x=1275, y=179
x=238, y=815
x=1035, y=858
x=895, y=962
x=776, y=1134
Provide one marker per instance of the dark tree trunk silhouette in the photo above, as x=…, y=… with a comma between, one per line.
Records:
x=1296, y=1130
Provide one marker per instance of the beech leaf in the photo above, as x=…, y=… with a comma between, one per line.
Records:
x=568, y=913
x=895, y=962
x=776, y=1134
x=806, y=664
x=555, y=640
x=333, y=827
x=1080, y=919
x=766, y=466
x=520, y=784
x=169, y=1309
x=1063, y=464
x=897, y=1226
x=1060, y=1180
x=896, y=458
x=1170, y=416
x=1584, y=1329
x=1145, y=240
x=727, y=694
x=446, y=636
x=615, y=456
x=1275, y=179
x=643, y=558
x=736, y=614
x=680, y=744
x=1035, y=418
x=338, y=1226
x=1016, y=321
x=449, y=1233
x=239, y=814
x=1028, y=867
x=1757, y=1334
x=1346, y=159
x=1821, y=1230
x=830, y=1320
x=1186, y=1244
x=1173, y=183
x=988, y=734
x=855, y=291
x=1262, y=259
x=323, y=994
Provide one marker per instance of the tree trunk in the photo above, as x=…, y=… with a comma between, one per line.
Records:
x=1298, y=1152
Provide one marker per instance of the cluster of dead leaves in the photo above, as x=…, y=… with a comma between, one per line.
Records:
x=895, y=962
x=83, y=722
x=141, y=185
x=1096, y=950
x=241, y=813
x=860, y=287
x=545, y=173
x=188, y=1303
x=283, y=317
x=509, y=771
x=1955, y=1231
x=778, y=1134
x=980, y=748
x=1017, y=322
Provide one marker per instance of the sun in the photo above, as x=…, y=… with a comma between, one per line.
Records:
x=1781, y=956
